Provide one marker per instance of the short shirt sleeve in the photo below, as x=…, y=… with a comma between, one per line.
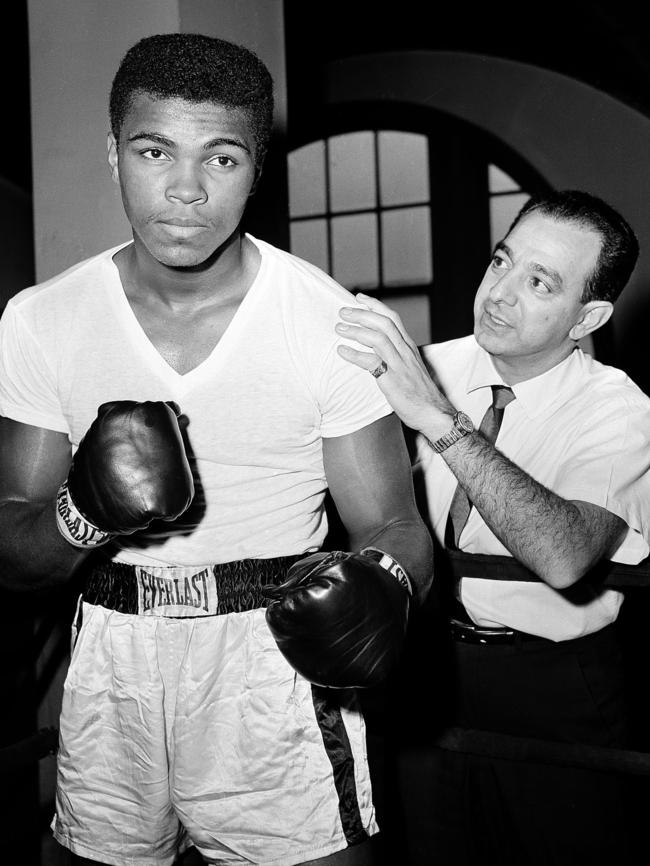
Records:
x=349, y=397
x=609, y=465
x=28, y=391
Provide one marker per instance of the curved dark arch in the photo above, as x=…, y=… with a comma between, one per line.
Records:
x=408, y=117
x=459, y=153
x=439, y=126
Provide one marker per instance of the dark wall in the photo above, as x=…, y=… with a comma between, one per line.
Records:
x=599, y=43
x=18, y=783
x=15, y=142
x=16, y=227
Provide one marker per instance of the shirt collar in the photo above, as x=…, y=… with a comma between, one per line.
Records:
x=533, y=395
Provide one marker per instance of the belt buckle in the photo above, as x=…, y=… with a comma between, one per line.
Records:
x=471, y=633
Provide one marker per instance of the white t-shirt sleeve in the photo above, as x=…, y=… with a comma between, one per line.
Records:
x=348, y=397
x=27, y=388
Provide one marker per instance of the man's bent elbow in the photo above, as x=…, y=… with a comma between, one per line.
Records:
x=564, y=575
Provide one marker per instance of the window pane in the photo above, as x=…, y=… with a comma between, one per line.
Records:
x=414, y=313
x=503, y=209
x=403, y=168
x=354, y=250
x=309, y=241
x=406, y=241
x=307, y=180
x=499, y=181
x=352, y=171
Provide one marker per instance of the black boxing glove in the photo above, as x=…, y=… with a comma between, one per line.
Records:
x=130, y=468
x=340, y=618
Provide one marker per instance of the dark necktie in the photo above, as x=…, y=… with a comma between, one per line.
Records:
x=460, y=504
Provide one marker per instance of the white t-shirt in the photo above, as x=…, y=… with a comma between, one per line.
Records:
x=582, y=430
x=258, y=406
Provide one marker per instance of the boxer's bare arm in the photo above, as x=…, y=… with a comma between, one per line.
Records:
x=369, y=476
x=33, y=463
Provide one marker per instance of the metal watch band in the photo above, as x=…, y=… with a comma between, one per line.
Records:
x=457, y=432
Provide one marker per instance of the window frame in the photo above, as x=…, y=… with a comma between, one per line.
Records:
x=459, y=156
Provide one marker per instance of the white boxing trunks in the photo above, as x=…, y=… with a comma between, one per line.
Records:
x=179, y=730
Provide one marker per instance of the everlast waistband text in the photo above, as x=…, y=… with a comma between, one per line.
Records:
x=184, y=592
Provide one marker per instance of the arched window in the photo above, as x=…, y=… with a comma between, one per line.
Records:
x=407, y=211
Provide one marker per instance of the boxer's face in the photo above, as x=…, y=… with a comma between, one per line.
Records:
x=527, y=311
x=185, y=171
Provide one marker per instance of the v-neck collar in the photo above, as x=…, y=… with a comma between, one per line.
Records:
x=140, y=339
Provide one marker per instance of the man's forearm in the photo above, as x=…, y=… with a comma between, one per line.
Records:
x=33, y=554
x=557, y=539
x=548, y=534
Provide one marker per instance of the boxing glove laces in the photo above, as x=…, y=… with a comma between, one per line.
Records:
x=130, y=468
x=340, y=618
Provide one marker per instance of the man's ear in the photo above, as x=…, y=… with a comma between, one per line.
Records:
x=113, y=157
x=593, y=315
x=256, y=180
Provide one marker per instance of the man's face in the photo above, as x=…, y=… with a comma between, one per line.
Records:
x=529, y=299
x=185, y=171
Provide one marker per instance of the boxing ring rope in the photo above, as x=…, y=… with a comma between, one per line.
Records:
x=488, y=744
x=613, y=575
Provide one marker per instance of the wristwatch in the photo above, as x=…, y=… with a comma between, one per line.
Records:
x=463, y=425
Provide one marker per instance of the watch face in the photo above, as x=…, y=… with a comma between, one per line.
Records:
x=464, y=422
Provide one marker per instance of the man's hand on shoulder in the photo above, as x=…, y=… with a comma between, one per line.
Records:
x=406, y=383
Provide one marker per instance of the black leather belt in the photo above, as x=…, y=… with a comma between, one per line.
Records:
x=470, y=633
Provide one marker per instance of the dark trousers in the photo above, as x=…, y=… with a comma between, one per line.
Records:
x=463, y=809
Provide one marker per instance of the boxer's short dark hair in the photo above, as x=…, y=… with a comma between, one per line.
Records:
x=196, y=68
